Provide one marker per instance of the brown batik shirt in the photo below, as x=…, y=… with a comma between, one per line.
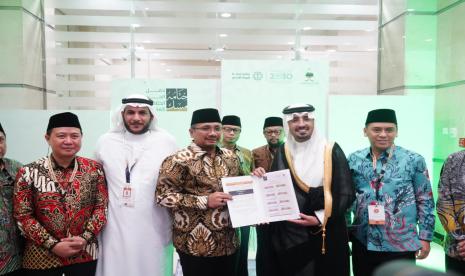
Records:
x=185, y=181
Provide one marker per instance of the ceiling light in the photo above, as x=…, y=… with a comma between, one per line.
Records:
x=410, y=10
x=140, y=48
x=146, y=9
x=429, y=40
x=147, y=41
x=168, y=70
x=218, y=59
x=331, y=50
x=306, y=28
x=219, y=49
x=223, y=35
x=280, y=57
x=162, y=64
x=225, y=15
x=290, y=43
x=58, y=43
x=135, y=25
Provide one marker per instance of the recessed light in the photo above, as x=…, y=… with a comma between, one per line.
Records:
x=225, y=15
x=306, y=28
x=223, y=35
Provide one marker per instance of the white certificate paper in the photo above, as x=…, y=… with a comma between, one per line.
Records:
x=258, y=200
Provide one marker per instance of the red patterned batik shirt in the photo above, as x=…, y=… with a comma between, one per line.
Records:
x=48, y=211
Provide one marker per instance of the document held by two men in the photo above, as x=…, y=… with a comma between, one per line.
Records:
x=260, y=200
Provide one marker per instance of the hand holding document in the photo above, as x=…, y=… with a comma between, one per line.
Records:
x=260, y=200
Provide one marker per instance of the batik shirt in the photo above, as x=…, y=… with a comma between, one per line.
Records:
x=48, y=211
x=451, y=201
x=185, y=181
x=10, y=249
x=405, y=193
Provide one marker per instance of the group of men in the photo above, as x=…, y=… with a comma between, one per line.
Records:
x=83, y=217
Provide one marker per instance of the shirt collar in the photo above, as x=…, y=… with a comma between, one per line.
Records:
x=55, y=165
x=384, y=154
x=199, y=152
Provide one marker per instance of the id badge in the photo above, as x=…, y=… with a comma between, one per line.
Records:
x=128, y=196
x=376, y=215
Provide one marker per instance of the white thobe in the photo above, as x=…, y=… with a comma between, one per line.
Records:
x=135, y=240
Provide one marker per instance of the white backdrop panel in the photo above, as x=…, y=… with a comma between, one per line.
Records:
x=25, y=130
x=254, y=90
x=199, y=94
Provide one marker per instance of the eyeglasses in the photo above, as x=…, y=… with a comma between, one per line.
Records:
x=208, y=129
x=229, y=129
x=271, y=132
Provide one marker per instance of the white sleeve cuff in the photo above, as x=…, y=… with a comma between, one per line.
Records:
x=320, y=214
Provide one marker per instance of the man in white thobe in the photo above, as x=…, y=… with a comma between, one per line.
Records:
x=136, y=240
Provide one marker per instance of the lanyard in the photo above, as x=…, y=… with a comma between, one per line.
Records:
x=380, y=175
x=128, y=172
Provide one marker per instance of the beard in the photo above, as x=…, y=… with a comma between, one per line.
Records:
x=142, y=131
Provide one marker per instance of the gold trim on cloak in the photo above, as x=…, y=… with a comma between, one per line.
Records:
x=327, y=179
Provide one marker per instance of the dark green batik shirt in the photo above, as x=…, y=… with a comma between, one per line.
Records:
x=10, y=248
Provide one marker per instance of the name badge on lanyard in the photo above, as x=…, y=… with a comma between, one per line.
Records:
x=376, y=215
x=128, y=193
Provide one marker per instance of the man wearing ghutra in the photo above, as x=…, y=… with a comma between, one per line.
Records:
x=137, y=237
x=317, y=243
x=393, y=199
x=60, y=204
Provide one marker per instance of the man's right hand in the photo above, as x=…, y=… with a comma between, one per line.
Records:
x=67, y=248
x=218, y=199
x=259, y=172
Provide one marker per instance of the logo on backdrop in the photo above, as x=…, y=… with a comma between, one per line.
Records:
x=168, y=99
x=278, y=76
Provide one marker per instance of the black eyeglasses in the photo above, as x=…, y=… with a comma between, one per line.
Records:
x=229, y=129
x=208, y=129
x=271, y=132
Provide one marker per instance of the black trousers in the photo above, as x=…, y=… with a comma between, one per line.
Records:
x=365, y=262
x=18, y=272
x=243, y=252
x=82, y=269
x=207, y=266
x=455, y=265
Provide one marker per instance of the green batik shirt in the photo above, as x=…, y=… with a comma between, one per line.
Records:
x=10, y=248
x=245, y=158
